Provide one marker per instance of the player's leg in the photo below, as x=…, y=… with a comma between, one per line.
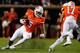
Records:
x=4, y=25
x=26, y=36
x=72, y=25
x=63, y=34
x=68, y=38
x=78, y=31
x=17, y=33
x=58, y=41
x=78, y=37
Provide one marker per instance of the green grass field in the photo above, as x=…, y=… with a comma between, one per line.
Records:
x=40, y=46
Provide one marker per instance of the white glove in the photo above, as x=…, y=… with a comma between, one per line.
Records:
x=42, y=36
x=22, y=21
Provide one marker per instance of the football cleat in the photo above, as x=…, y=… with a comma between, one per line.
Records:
x=3, y=48
x=78, y=37
x=67, y=43
x=12, y=47
x=50, y=50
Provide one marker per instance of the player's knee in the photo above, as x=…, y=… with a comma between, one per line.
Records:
x=25, y=39
x=11, y=39
x=27, y=36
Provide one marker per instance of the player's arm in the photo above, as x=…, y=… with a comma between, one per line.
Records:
x=42, y=20
x=61, y=17
x=25, y=19
x=43, y=31
x=37, y=20
x=28, y=12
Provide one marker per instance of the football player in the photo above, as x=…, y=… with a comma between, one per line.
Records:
x=30, y=22
x=70, y=35
x=71, y=13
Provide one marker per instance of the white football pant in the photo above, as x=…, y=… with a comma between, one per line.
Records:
x=68, y=26
x=21, y=32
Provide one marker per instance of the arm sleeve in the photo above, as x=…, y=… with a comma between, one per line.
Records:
x=42, y=20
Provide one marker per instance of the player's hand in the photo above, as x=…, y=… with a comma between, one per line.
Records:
x=42, y=36
x=23, y=21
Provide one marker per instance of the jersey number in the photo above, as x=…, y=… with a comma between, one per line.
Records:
x=30, y=23
x=70, y=10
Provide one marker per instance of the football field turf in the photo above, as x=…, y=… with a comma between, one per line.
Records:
x=40, y=46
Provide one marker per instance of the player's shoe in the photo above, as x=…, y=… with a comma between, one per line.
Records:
x=67, y=43
x=3, y=48
x=78, y=37
x=50, y=50
x=12, y=47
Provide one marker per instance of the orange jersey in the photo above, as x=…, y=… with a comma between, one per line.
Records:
x=34, y=21
x=68, y=10
x=30, y=27
x=12, y=16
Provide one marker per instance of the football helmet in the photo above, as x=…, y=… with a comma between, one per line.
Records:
x=38, y=11
x=71, y=3
x=65, y=4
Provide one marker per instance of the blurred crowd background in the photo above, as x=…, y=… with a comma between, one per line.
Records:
x=51, y=12
x=37, y=2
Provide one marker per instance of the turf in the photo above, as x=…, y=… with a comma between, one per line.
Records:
x=40, y=46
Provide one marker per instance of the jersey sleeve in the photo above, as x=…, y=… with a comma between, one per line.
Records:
x=29, y=11
x=41, y=20
x=38, y=20
x=29, y=14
